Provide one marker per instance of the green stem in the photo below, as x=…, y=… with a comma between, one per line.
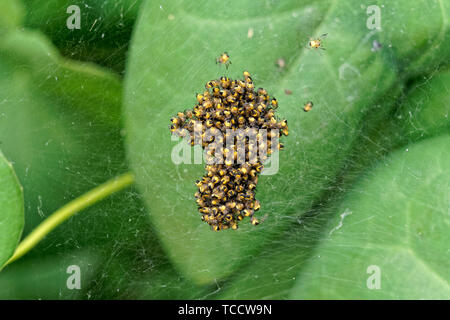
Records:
x=64, y=213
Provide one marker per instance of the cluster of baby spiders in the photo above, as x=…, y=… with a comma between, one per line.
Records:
x=231, y=108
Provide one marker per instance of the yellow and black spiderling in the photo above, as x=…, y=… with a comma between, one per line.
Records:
x=308, y=106
x=224, y=58
x=226, y=193
x=316, y=43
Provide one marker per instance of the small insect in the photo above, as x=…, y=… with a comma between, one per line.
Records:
x=274, y=103
x=254, y=221
x=212, y=84
x=175, y=121
x=308, y=106
x=317, y=43
x=225, y=82
x=224, y=59
x=282, y=124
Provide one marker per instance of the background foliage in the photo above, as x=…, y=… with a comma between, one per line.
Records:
x=363, y=179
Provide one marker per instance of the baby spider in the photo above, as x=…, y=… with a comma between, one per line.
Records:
x=224, y=59
x=308, y=106
x=317, y=43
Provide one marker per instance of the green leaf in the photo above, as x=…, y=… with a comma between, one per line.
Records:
x=149, y=276
x=83, y=87
x=164, y=73
x=11, y=15
x=396, y=218
x=42, y=125
x=46, y=277
x=423, y=114
x=59, y=125
x=389, y=124
x=11, y=213
x=105, y=28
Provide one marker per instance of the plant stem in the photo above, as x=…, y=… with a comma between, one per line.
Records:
x=93, y=196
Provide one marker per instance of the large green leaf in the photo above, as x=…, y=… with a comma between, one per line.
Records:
x=11, y=213
x=55, y=117
x=46, y=277
x=396, y=219
x=344, y=82
x=143, y=272
x=422, y=114
x=11, y=15
x=275, y=270
x=60, y=126
x=105, y=28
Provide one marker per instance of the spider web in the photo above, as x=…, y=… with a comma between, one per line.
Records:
x=113, y=242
